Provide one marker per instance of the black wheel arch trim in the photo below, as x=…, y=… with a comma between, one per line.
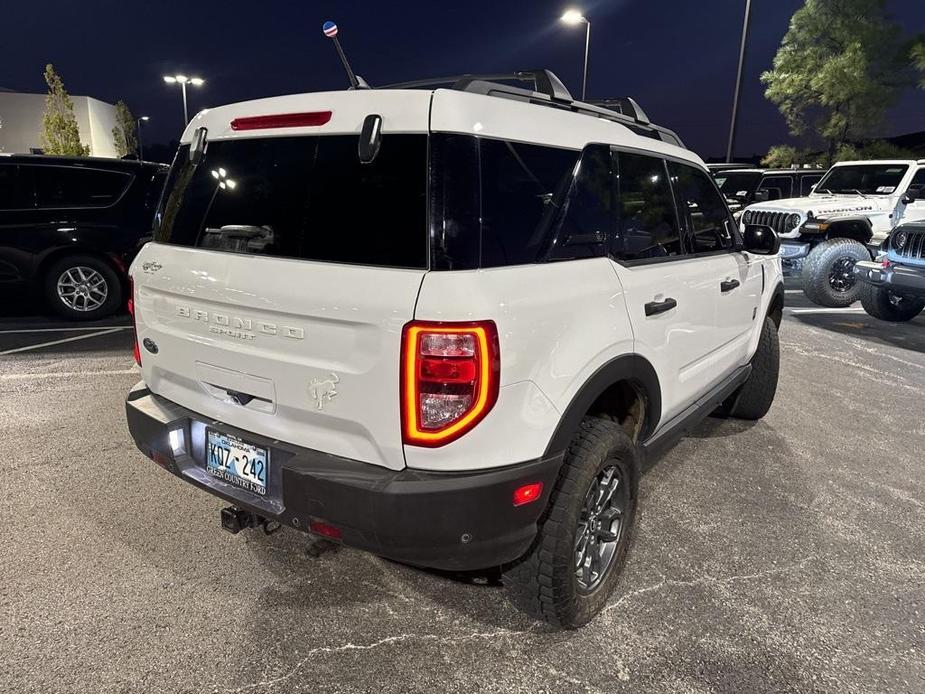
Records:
x=630, y=368
x=776, y=304
x=854, y=222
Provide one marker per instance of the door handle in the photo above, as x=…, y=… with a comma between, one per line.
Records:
x=728, y=285
x=654, y=307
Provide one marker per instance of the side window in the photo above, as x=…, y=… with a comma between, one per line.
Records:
x=15, y=189
x=586, y=213
x=918, y=182
x=778, y=187
x=807, y=183
x=647, y=225
x=702, y=208
x=60, y=186
x=522, y=186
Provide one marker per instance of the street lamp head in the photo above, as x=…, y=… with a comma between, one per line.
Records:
x=573, y=17
x=197, y=81
x=145, y=118
x=169, y=80
x=182, y=79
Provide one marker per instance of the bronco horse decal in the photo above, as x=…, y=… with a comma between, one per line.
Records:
x=323, y=390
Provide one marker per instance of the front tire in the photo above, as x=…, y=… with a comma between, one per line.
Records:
x=571, y=569
x=755, y=397
x=828, y=272
x=83, y=288
x=881, y=303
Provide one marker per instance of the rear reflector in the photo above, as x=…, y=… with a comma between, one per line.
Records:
x=527, y=493
x=282, y=120
x=449, y=380
x=325, y=530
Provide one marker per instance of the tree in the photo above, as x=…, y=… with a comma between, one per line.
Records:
x=839, y=67
x=123, y=134
x=918, y=59
x=60, y=134
x=788, y=156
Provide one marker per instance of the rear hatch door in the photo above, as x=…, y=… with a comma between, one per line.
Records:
x=281, y=276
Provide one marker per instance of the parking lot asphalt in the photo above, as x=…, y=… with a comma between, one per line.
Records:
x=782, y=555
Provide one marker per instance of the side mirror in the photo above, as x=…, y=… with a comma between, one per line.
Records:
x=762, y=196
x=911, y=196
x=761, y=240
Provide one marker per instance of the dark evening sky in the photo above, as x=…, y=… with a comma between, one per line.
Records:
x=677, y=58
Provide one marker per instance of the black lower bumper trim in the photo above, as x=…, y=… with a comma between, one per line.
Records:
x=900, y=279
x=452, y=521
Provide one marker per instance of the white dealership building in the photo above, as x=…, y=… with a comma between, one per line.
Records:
x=21, y=123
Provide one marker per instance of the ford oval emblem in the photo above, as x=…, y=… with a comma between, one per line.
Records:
x=150, y=345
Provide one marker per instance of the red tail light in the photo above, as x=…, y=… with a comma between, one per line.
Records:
x=449, y=379
x=281, y=120
x=136, y=352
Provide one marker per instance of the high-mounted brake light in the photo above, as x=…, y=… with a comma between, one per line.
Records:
x=136, y=352
x=449, y=379
x=282, y=120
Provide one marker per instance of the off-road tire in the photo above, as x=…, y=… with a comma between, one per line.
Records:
x=879, y=303
x=754, y=398
x=819, y=265
x=544, y=583
x=114, y=291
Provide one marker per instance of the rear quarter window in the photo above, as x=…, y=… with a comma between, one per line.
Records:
x=63, y=187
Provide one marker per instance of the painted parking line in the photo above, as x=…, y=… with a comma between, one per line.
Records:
x=793, y=291
x=68, y=374
x=61, y=342
x=64, y=330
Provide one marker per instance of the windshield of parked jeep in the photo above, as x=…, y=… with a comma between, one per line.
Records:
x=867, y=179
x=302, y=197
x=731, y=183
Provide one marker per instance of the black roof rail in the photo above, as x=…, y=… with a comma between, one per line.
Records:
x=544, y=82
x=548, y=90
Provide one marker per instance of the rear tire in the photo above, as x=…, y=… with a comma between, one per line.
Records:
x=755, y=397
x=83, y=288
x=828, y=272
x=571, y=569
x=881, y=303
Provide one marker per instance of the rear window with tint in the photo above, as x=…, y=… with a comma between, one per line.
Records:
x=302, y=197
x=62, y=186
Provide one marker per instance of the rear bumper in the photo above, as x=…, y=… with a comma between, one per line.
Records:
x=447, y=521
x=901, y=279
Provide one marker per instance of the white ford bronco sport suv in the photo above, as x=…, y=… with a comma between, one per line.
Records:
x=844, y=220
x=445, y=325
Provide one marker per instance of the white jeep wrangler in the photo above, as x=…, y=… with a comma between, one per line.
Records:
x=445, y=325
x=845, y=219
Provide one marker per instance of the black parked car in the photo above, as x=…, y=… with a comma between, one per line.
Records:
x=70, y=226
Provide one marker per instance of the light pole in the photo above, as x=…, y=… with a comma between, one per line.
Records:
x=735, y=98
x=141, y=147
x=183, y=80
x=574, y=17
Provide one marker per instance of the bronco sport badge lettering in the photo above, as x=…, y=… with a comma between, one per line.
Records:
x=241, y=328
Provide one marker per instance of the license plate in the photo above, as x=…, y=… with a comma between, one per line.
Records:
x=238, y=462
